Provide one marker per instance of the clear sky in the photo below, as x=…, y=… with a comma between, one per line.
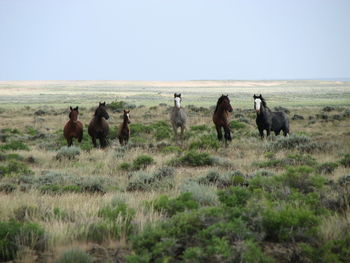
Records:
x=174, y=39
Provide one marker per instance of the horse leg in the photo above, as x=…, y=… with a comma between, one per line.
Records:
x=261, y=131
x=227, y=133
x=80, y=138
x=182, y=132
x=70, y=141
x=175, y=130
x=218, y=130
x=103, y=142
x=94, y=141
x=268, y=131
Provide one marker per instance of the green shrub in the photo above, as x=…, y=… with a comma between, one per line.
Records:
x=253, y=254
x=205, y=142
x=346, y=160
x=237, y=125
x=145, y=181
x=74, y=255
x=172, y=206
x=14, y=146
x=7, y=188
x=9, y=130
x=327, y=168
x=288, y=143
x=68, y=152
x=98, y=232
x=301, y=179
x=25, y=213
x=125, y=166
x=137, y=129
x=142, y=161
x=193, y=158
x=290, y=160
x=288, y=223
x=10, y=156
x=171, y=149
x=56, y=183
x=13, y=168
x=164, y=172
x=31, y=131
x=235, y=196
x=119, y=106
x=200, y=128
x=222, y=180
x=161, y=129
x=119, y=216
x=14, y=235
x=203, y=194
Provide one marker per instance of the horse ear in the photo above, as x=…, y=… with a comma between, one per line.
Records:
x=71, y=108
x=260, y=96
x=180, y=95
x=104, y=103
x=76, y=108
x=174, y=95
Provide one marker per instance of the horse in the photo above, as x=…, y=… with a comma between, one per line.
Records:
x=98, y=127
x=73, y=128
x=268, y=120
x=221, y=117
x=178, y=116
x=124, y=131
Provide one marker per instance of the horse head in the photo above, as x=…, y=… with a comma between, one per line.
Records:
x=127, y=116
x=225, y=102
x=101, y=111
x=73, y=115
x=177, y=100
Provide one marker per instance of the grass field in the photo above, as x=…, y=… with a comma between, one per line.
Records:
x=162, y=200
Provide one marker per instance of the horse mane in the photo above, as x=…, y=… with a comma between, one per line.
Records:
x=219, y=102
x=263, y=101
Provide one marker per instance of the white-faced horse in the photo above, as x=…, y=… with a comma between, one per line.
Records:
x=268, y=120
x=178, y=116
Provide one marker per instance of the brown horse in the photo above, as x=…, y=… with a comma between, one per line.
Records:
x=98, y=127
x=73, y=128
x=124, y=131
x=221, y=117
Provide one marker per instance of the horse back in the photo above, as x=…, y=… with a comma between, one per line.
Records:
x=279, y=120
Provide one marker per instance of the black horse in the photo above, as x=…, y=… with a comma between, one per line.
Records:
x=98, y=127
x=268, y=120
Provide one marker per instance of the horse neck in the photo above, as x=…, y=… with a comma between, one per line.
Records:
x=125, y=122
x=221, y=109
x=98, y=118
x=263, y=110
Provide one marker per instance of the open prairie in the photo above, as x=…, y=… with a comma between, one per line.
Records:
x=162, y=199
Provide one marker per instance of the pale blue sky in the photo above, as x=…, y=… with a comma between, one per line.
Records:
x=174, y=39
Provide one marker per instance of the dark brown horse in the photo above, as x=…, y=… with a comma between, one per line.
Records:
x=124, y=131
x=73, y=128
x=98, y=127
x=221, y=117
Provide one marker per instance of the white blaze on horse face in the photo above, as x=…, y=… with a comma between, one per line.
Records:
x=127, y=115
x=177, y=102
x=257, y=104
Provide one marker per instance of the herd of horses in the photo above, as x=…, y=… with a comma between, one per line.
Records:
x=98, y=127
